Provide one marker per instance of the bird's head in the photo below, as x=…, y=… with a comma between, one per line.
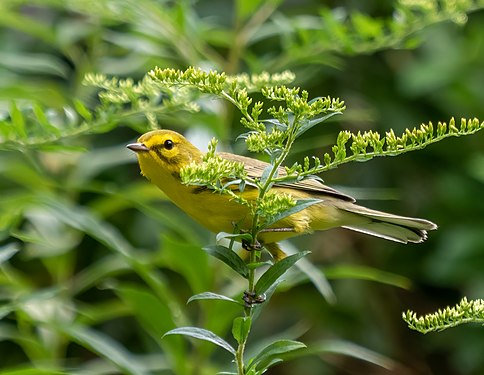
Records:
x=165, y=150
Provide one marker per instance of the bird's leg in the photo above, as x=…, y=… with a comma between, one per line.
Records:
x=274, y=248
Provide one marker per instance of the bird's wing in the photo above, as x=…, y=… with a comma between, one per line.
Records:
x=254, y=168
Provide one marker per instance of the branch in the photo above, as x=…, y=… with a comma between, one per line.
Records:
x=464, y=312
x=365, y=146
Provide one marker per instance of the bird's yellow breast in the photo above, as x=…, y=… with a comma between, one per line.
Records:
x=218, y=213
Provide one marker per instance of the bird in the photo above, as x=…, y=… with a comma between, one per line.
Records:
x=163, y=153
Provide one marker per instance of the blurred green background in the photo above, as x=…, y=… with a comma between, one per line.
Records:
x=95, y=265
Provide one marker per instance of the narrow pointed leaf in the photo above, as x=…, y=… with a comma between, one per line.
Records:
x=265, y=174
x=82, y=110
x=212, y=296
x=202, y=334
x=310, y=123
x=347, y=271
x=241, y=328
x=106, y=347
x=233, y=236
x=229, y=257
x=8, y=251
x=276, y=271
x=351, y=350
x=272, y=353
x=315, y=275
x=301, y=204
x=279, y=125
x=18, y=120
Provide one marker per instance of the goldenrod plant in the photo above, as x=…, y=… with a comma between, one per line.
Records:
x=97, y=265
x=465, y=311
x=169, y=160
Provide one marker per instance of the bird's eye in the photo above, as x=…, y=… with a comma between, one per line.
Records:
x=168, y=144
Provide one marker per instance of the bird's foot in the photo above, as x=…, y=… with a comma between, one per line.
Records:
x=251, y=245
x=251, y=298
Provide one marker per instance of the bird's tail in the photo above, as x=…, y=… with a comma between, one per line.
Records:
x=391, y=227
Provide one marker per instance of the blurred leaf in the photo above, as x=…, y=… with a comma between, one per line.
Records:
x=202, y=334
x=33, y=371
x=156, y=318
x=212, y=296
x=241, y=328
x=189, y=261
x=82, y=110
x=84, y=220
x=351, y=350
x=8, y=251
x=277, y=270
x=229, y=257
x=367, y=273
x=110, y=265
x=315, y=275
x=18, y=121
x=46, y=235
x=247, y=8
x=273, y=353
x=44, y=121
x=106, y=347
x=38, y=63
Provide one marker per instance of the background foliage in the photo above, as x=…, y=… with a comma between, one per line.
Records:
x=95, y=265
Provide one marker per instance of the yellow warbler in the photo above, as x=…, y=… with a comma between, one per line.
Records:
x=163, y=153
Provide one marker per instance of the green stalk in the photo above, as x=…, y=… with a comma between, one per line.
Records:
x=239, y=358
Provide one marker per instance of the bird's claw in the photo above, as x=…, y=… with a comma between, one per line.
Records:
x=251, y=246
x=251, y=298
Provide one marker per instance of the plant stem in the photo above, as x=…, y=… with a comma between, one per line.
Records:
x=239, y=358
x=253, y=259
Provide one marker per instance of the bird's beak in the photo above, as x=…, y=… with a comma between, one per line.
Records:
x=137, y=147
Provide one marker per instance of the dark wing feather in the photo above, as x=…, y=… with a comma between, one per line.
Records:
x=254, y=168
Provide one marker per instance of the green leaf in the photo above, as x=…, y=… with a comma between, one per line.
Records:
x=265, y=174
x=43, y=120
x=8, y=251
x=272, y=353
x=349, y=271
x=212, y=296
x=156, y=315
x=105, y=347
x=255, y=265
x=310, y=123
x=352, y=350
x=82, y=110
x=234, y=236
x=247, y=8
x=277, y=270
x=318, y=278
x=229, y=257
x=33, y=371
x=241, y=328
x=195, y=270
x=18, y=120
x=202, y=334
x=301, y=204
